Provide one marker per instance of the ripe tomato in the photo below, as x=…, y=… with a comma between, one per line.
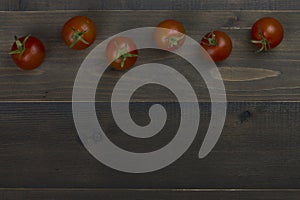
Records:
x=28, y=52
x=79, y=32
x=121, y=53
x=267, y=33
x=217, y=44
x=169, y=35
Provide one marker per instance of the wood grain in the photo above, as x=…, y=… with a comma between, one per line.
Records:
x=149, y=5
x=116, y=194
x=53, y=81
x=40, y=148
x=243, y=73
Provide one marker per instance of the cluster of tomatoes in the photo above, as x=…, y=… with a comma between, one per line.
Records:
x=80, y=32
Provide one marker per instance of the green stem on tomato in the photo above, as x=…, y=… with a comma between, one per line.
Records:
x=265, y=44
x=212, y=41
x=173, y=40
x=123, y=54
x=77, y=36
x=20, y=46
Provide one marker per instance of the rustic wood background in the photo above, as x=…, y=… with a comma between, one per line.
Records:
x=257, y=156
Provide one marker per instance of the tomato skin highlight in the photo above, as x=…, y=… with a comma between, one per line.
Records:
x=33, y=55
x=169, y=35
x=80, y=24
x=267, y=33
x=121, y=48
x=217, y=44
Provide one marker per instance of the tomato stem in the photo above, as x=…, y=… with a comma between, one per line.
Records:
x=77, y=36
x=173, y=40
x=20, y=46
x=265, y=44
x=211, y=38
x=123, y=54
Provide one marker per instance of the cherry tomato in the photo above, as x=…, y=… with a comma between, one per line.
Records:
x=267, y=33
x=217, y=44
x=79, y=32
x=28, y=52
x=121, y=53
x=169, y=35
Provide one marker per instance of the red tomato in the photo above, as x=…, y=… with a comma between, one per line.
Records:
x=267, y=33
x=171, y=37
x=121, y=53
x=217, y=44
x=28, y=52
x=79, y=32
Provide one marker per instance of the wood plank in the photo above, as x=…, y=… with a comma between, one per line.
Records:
x=53, y=81
x=149, y=5
x=115, y=194
x=259, y=148
x=6, y=5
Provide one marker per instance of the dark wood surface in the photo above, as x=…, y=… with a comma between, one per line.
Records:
x=149, y=5
x=42, y=157
x=40, y=148
x=118, y=194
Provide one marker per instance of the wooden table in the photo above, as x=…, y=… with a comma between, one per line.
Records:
x=257, y=156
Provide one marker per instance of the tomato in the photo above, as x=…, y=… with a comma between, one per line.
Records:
x=79, y=32
x=217, y=44
x=169, y=35
x=28, y=52
x=267, y=33
x=121, y=53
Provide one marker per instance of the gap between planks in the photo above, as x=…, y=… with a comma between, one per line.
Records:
x=70, y=11
x=53, y=101
x=159, y=189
